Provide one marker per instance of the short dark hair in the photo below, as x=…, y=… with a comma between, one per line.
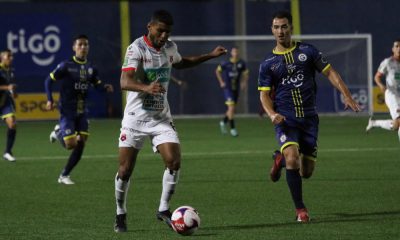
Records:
x=397, y=40
x=162, y=16
x=282, y=14
x=6, y=50
x=79, y=36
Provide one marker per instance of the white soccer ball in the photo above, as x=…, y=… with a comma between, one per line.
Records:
x=185, y=220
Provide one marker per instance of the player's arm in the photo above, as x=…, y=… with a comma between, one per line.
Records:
x=8, y=87
x=244, y=79
x=187, y=62
x=177, y=81
x=378, y=80
x=129, y=82
x=268, y=105
x=218, y=74
x=339, y=84
x=99, y=84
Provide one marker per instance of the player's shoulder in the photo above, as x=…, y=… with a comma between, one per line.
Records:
x=387, y=60
x=170, y=45
x=303, y=46
x=269, y=59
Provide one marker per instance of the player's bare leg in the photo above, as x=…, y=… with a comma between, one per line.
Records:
x=77, y=144
x=294, y=181
x=307, y=166
x=171, y=154
x=127, y=161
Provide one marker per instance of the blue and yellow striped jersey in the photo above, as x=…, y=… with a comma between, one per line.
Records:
x=75, y=77
x=291, y=75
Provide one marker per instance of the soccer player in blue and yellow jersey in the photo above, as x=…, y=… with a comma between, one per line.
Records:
x=232, y=76
x=289, y=73
x=75, y=75
x=7, y=105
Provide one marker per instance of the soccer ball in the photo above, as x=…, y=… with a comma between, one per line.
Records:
x=185, y=220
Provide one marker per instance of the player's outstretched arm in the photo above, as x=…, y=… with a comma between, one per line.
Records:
x=129, y=83
x=187, y=62
x=338, y=83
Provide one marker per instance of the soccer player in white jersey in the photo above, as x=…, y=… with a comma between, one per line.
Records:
x=389, y=68
x=145, y=75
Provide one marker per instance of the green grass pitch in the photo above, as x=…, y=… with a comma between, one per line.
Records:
x=353, y=194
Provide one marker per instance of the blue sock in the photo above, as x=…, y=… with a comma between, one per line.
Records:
x=74, y=158
x=10, y=139
x=294, y=182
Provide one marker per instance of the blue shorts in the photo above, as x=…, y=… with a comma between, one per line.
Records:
x=302, y=132
x=231, y=96
x=8, y=108
x=71, y=126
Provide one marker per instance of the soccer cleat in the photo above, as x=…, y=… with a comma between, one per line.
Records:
x=234, y=132
x=222, y=126
x=120, y=223
x=7, y=156
x=65, y=180
x=53, y=135
x=302, y=215
x=370, y=125
x=165, y=216
x=275, y=172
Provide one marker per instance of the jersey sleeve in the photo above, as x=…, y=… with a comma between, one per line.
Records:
x=176, y=57
x=383, y=67
x=59, y=72
x=132, y=59
x=320, y=62
x=95, y=80
x=264, y=77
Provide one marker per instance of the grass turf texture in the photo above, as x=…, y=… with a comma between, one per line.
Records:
x=353, y=194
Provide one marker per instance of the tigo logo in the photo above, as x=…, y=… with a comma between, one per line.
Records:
x=36, y=44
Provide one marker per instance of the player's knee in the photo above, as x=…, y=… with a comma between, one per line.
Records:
x=70, y=144
x=174, y=165
x=124, y=173
x=306, y=174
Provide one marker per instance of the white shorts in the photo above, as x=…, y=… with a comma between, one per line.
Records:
x=163, y=132
x=393, y=103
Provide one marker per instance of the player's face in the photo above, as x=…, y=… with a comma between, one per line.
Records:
x=158, y=33
x=235, y=53
x=81, y=48
x=282, y=31
x=6, y=58
x=396, y=50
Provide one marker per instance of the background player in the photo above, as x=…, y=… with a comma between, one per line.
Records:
x=232, y=76
x=145, y=75
x=289, y=71
x=389, y=68
x=75, y=75
x=7, y=105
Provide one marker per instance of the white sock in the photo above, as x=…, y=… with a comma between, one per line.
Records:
x=121, y=192
x=170, y=179
x=385, y=124
x=398, y=133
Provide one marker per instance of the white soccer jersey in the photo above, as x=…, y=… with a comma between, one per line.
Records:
x=143, y=110
x=390, y=67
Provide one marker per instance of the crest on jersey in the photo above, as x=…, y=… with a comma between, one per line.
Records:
x=302, y=57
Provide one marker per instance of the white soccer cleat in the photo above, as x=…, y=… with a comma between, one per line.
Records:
x=370, y=125
x=53, y=135
x=222, y=126
x=234, y=132
x=9, y=157
x=65, y=180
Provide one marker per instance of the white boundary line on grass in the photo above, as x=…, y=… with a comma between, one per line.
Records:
x=212, y=153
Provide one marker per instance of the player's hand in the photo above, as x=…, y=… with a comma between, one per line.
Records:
x=218, y=51
x=109, y=88
x=50, y=105
x=350, y=103
x=12, y=87
x=222, y=84
x=276, y=118
x=155, y=88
